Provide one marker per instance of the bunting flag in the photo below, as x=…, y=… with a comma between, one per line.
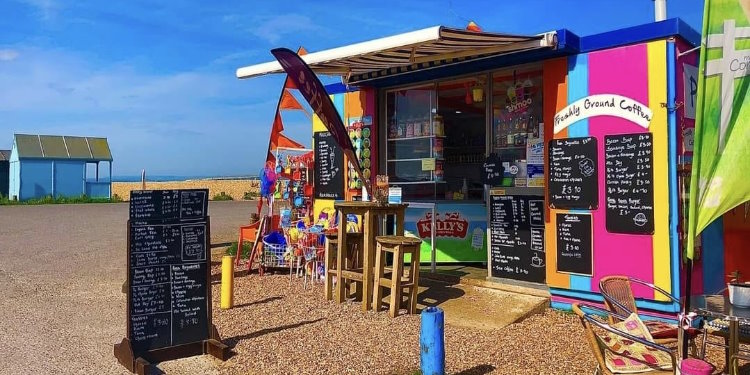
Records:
x=722, y=126
x=288, y=101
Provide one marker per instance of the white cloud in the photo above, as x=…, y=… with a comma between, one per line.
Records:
x=8, y=54
x=273, y=28
x=152, y=120
x=47, y=8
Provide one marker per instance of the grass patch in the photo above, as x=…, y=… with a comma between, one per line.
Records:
x=4, y=201
x=247, y=247
x=251, y=195
x=223, y=197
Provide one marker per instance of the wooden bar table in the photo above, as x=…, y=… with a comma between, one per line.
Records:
x=371, y=213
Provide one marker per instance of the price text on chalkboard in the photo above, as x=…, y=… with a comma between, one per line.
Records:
x=629, y=182
x=517, y=237
x=573, y=175
x=329, y=167
x=168, y=269
x=186, y=204
x=492, y=171
x=574, y=246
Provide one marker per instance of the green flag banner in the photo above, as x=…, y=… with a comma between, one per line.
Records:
x=721, y=156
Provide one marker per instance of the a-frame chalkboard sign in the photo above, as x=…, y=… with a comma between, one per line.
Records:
x=169, y=280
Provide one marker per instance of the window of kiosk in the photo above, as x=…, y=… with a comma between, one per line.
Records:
x=436, y=139
x=410, y=140
x=517, y=129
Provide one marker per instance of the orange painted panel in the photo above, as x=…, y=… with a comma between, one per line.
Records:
x=555, y=98
x=737, y=242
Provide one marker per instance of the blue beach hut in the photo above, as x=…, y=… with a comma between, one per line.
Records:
x=53, y=165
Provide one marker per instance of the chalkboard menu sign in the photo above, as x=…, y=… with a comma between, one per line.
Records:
x=573, y=178
x=168, y=287
x=492, y=171
x=629, y=182
x=329, y=167
x=517, y=237
x=186, y=204
x=574, y=246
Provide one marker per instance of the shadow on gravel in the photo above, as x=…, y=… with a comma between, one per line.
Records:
x=477, y=370
x=232, y=341
x=260, y=302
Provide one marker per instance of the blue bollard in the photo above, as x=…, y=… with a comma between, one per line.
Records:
x=432, y=342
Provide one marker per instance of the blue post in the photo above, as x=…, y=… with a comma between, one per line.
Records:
x=432, y=342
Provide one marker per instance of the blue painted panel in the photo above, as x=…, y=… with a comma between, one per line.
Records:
x=97, y=189
x=674, y=216
x=578, y=88
x=338, y=88
x=641, y=33
x=641, y=304
x=69, y=177
x=36, y=179
x=338, y=102
x=713, y=256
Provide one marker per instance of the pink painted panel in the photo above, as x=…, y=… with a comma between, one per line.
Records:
x=622, y=71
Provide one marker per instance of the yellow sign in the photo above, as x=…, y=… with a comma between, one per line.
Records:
x=428, y=164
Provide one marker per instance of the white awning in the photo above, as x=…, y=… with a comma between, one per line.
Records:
x=436, y=43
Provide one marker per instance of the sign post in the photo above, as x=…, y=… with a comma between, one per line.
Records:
x=169, y=280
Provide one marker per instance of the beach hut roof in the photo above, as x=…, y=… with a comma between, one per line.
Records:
x=62, y=147
x=4, y=155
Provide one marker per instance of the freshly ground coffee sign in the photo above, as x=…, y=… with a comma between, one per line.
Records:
x=603, y=105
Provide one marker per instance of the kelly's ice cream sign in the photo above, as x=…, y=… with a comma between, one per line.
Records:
x=450, y=225
x=460, y=231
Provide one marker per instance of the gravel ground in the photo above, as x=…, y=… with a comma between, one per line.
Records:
x=61, y=273
x=279, y=328
x=61, y=310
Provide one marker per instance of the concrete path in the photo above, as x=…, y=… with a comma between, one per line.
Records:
x=61, y=273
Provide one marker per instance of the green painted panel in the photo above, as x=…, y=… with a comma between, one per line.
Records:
x=28, y=146
x=53, y=147
x=100, y=148
x=77, y=148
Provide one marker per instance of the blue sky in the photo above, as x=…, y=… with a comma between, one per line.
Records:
x=157, y=77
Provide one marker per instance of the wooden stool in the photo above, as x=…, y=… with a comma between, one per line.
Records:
x=398, y=246
x=353, y=260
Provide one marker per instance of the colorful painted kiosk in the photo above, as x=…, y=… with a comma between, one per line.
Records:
x=572, y=150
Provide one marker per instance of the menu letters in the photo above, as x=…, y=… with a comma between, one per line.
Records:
x=168, y=241
x=329, y=167
x=574, y=249
x=517, y=237
x=573, y=176
x=629, y=183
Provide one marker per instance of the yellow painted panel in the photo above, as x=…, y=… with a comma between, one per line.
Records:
x=657, y=94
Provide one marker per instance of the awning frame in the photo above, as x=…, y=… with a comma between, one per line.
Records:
x=390, y=50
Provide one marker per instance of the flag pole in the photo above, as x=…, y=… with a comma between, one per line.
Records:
x=695, y=174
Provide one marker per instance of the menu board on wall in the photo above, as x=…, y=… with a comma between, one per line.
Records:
x=574, y=244
x=629, y=183
x=573, y=177
x=329, y=167
x=516, y=231
x=169, y=300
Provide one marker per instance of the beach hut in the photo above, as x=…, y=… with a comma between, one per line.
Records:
x=4, y=172
x=51, y=165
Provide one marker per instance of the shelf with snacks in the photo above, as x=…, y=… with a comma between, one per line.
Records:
x=415, y=138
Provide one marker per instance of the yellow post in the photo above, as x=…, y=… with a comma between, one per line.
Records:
x=227, y=282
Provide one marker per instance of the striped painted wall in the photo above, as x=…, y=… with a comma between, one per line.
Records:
x=640, y=73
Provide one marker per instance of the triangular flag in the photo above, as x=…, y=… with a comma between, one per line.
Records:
x=301, y=51
x=288, y=101
x=278, y=126
x=285, y=141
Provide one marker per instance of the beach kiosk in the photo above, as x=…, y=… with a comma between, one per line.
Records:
x=52, y=165
x=551, y=160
